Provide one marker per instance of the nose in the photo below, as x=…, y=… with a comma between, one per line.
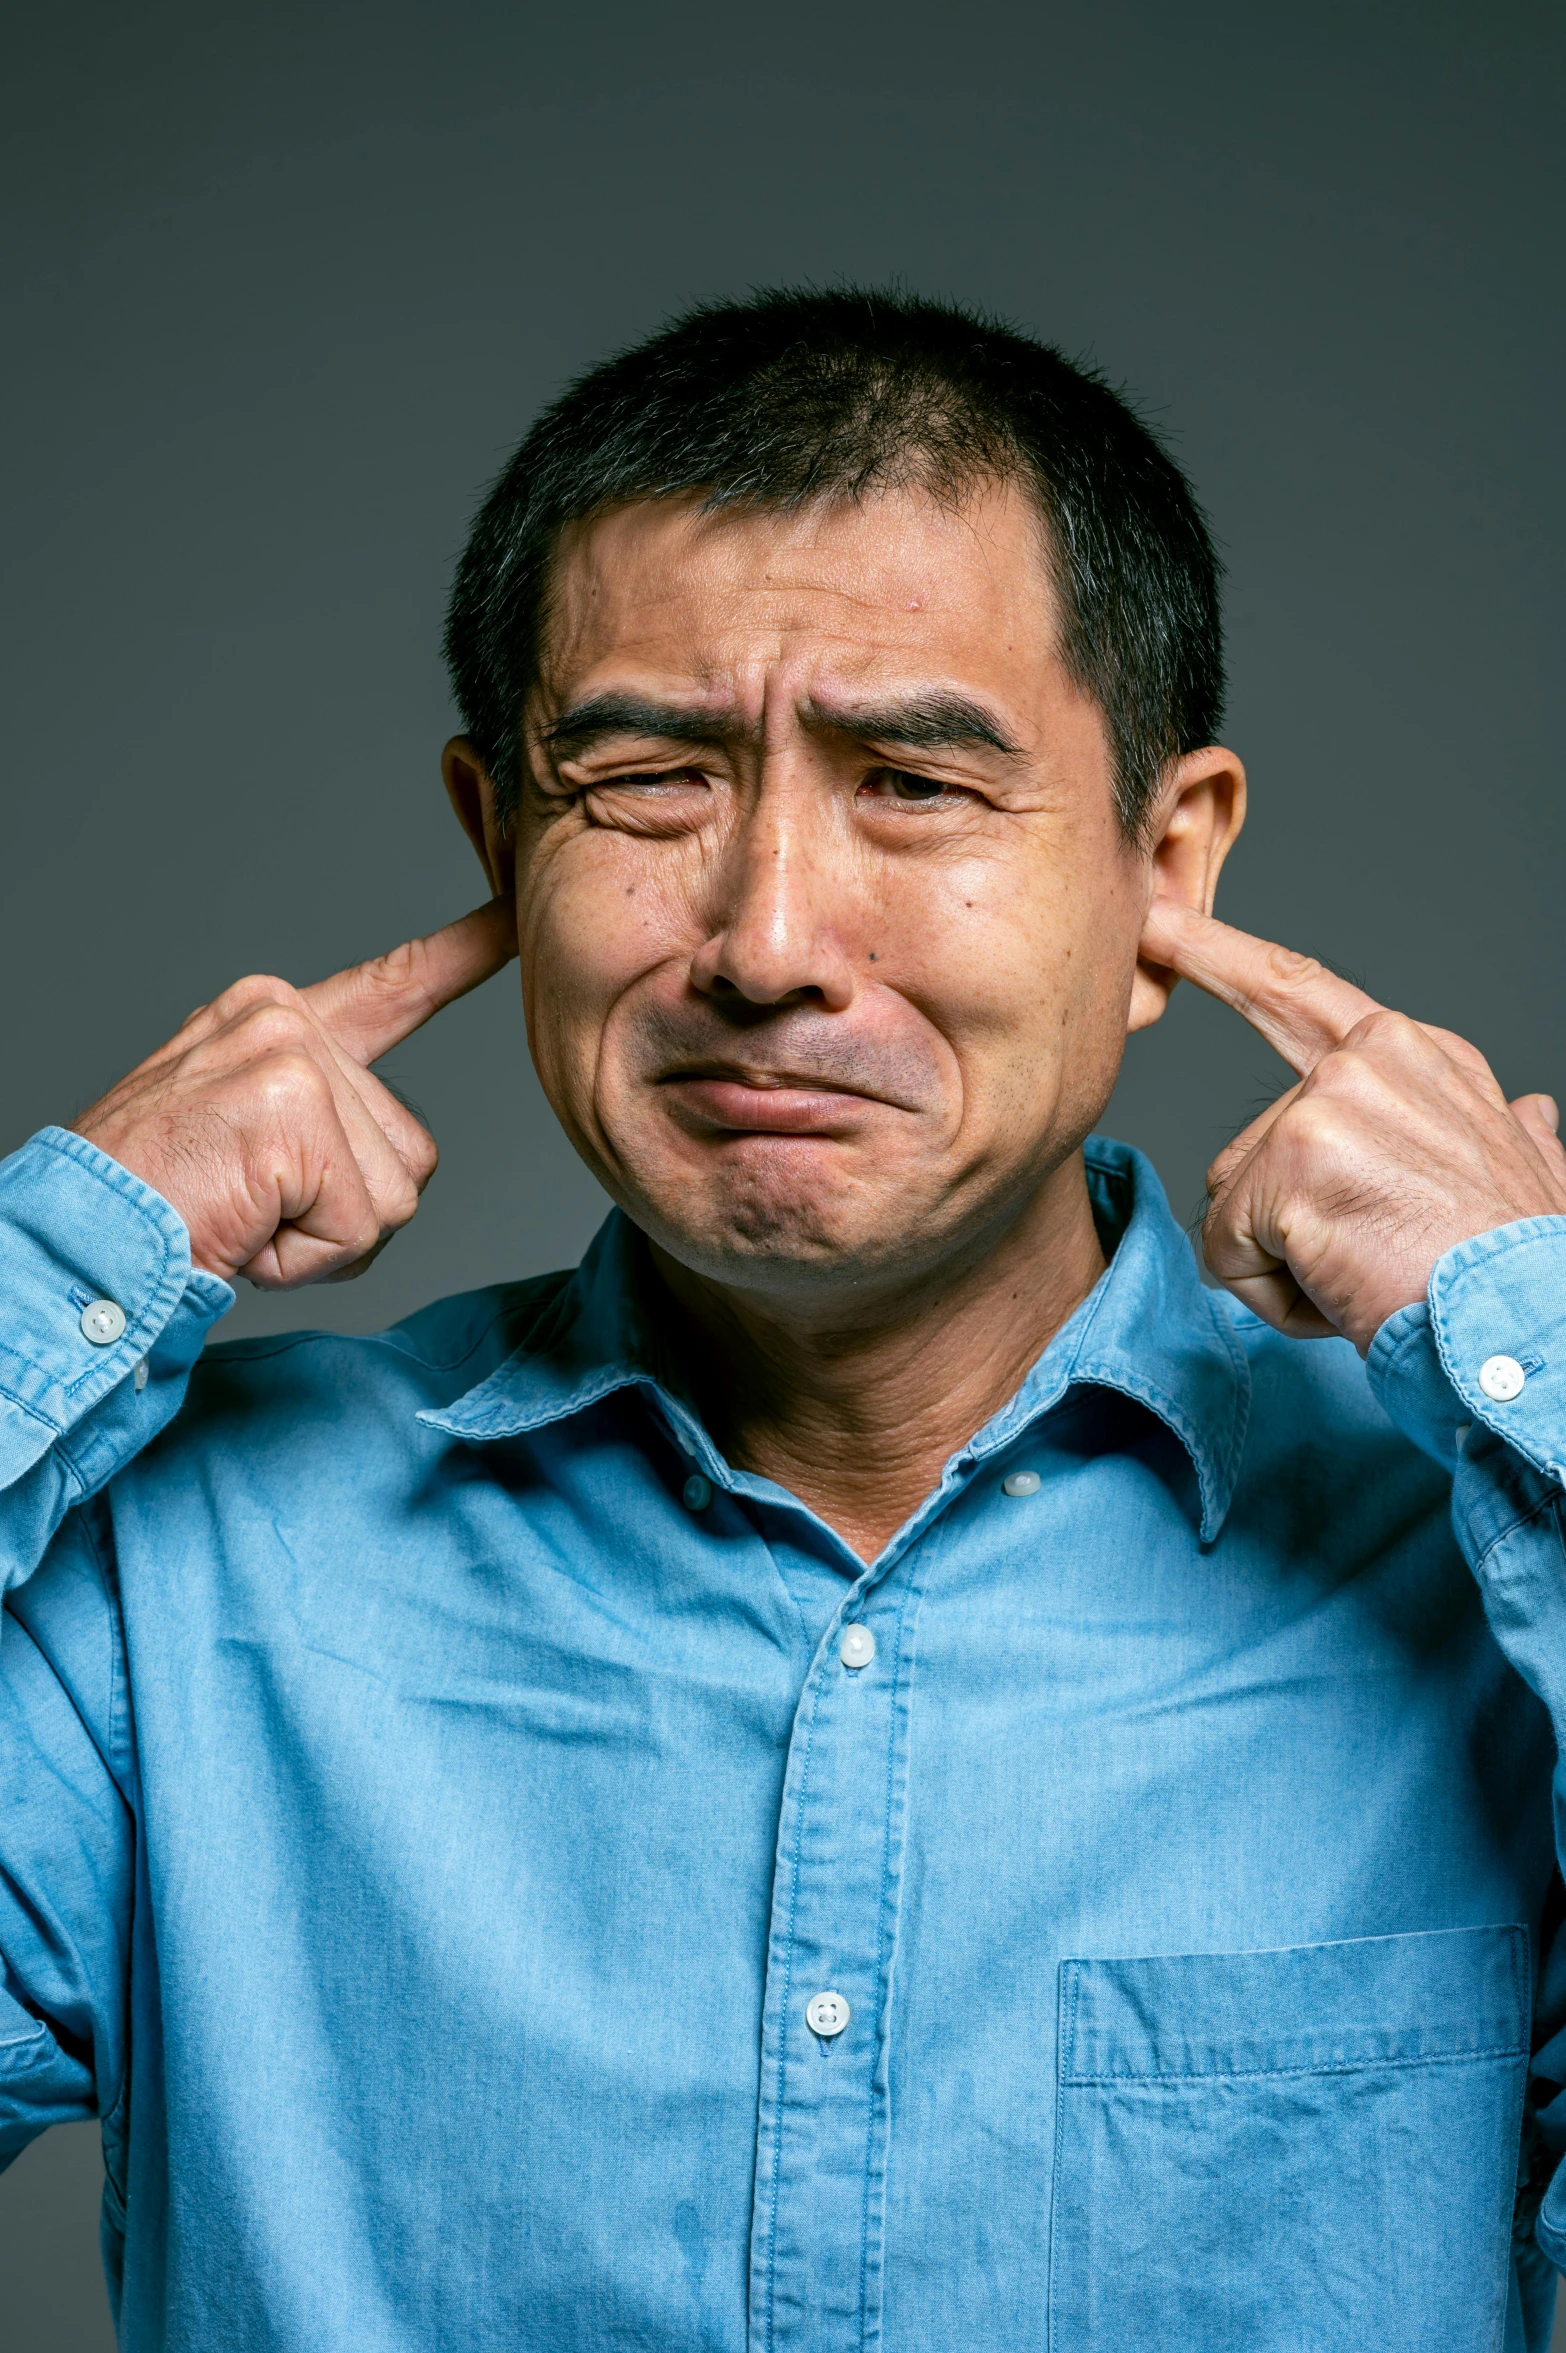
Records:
x=782, y=908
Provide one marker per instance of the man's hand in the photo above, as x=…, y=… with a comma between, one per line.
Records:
x=1329, y=1211
x=261, y=1124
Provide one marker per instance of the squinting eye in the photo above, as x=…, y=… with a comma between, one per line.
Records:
x=662, y=780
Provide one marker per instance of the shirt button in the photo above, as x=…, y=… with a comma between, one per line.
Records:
x=827, y=2015
x=697, y=1492
x=857, y=1647
x=102, y=1322
x=1501, y=1377
x=1021, y=1483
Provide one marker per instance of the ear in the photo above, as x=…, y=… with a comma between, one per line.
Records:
x=471, y=791
x=1196, y=823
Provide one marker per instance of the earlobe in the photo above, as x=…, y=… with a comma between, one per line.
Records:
x=471, y=792
x=1201, y=810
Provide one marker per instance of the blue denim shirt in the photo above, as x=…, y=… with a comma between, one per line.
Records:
x=433, y=1791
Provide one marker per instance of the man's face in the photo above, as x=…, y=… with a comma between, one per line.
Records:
x=827, y=926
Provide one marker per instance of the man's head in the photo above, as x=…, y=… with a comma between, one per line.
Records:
x=839, y=673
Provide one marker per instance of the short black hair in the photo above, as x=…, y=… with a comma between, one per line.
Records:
x=799, y=395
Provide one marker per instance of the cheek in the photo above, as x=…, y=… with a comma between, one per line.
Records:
x=592, y=920
x=1027, y=960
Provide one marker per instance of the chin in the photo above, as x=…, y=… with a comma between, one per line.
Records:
x=786, y=1239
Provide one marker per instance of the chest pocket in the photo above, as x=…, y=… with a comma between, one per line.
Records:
x=1306, y=2151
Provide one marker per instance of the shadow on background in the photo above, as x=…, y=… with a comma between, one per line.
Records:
x=52, y=2296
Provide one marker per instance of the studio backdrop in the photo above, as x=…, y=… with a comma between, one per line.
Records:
x=285, y=283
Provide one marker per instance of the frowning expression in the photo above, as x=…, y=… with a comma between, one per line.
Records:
x=827, y=924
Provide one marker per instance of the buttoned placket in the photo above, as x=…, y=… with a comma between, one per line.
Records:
x=823, y=2115
x=823, y=2122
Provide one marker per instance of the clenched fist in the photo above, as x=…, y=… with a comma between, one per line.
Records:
x=260, y=1121
x=1328, y=1213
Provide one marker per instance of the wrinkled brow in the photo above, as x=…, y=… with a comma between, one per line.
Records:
x=936, y=722
x=605, y=716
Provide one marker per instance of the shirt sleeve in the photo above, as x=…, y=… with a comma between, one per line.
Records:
x=1475, y=1374
x=101, y=1318
x=68, y=1842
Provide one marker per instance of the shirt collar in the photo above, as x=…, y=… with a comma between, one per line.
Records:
x=1147, y=1329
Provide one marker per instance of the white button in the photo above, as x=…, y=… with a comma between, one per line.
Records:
x=103, y=1322
x=697, y=1492
x=857, y=1647
x=827, y=2015
x=1501, y=1377
x=1021, y=1483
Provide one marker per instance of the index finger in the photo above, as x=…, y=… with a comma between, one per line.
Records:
x=370, y=1007
x=1299, y=1007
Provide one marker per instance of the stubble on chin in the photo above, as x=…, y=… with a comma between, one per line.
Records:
x=765, y=1230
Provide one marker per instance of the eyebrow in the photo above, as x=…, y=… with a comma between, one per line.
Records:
x=926, y=723
x=604, y=716
x=934, y=722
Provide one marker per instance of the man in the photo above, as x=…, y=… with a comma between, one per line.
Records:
x=877, y=1766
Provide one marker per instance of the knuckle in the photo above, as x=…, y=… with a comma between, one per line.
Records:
x=1380, y=1029
x=1348, y=1074
x=402, y=1199
x=402, y=971
x=1312, y=1124
x=1219, y=1173
x=1292, y=970
x=288, y=1080
x=256, y=989
x=272, y=1025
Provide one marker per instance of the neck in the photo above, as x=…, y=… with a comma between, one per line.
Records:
x=856, y=1412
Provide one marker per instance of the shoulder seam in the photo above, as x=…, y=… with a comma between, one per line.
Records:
x=261, y=1350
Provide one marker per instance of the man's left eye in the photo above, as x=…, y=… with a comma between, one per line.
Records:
x=896, y=784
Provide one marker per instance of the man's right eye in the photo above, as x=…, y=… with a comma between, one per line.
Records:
x=662, y=800
x=662, y=780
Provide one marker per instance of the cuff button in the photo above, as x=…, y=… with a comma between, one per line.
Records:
x=102, y=1322
x=1501, y=1378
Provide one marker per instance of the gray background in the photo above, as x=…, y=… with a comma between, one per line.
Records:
x=284, y=284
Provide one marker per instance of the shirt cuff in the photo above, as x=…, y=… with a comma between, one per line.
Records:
x=1475, y=1373
x=81, y=1233
x=1409, y=1383
x=1498, y=1318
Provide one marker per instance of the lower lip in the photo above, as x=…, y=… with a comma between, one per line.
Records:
x=774, y=1111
